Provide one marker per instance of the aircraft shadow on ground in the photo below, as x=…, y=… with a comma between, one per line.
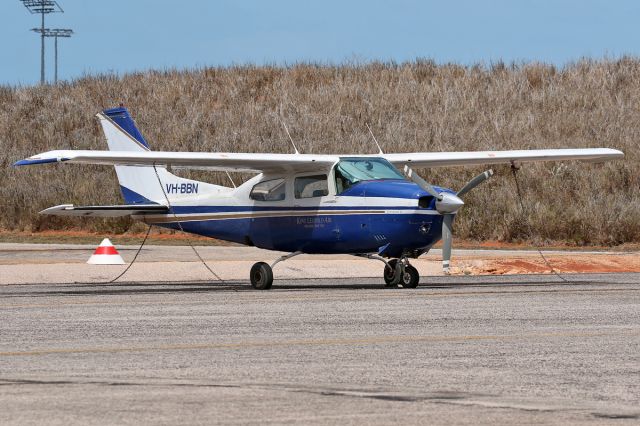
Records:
x=185, y=287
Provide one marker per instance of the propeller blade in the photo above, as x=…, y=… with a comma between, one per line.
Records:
x=475, y=182
x=447, y=240
x=421, y=183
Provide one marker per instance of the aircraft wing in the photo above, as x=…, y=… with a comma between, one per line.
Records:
x=233, y=162
x=245, y=162
x=105, y=211
x=473, y=158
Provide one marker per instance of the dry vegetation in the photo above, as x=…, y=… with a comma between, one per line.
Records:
x=415, y=106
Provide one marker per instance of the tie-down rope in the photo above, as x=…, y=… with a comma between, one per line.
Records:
x=514, y=171
x=216, y=276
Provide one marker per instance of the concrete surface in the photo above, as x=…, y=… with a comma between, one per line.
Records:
x=60, y=263
x=462, y=350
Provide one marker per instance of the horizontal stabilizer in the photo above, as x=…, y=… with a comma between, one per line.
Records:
x=105, y=211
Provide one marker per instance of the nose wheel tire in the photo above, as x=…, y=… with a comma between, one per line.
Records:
x=410, y=278
x=261, y=276
x=407, y=279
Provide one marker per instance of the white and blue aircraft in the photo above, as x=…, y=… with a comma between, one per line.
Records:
x=297, y=203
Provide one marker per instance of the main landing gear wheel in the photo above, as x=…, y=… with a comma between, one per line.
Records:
x=261, y=276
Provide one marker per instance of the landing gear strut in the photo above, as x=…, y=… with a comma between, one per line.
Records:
x=262, y=274
x=399, y=271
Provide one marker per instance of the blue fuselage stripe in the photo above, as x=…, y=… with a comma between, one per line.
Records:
x=320, y=233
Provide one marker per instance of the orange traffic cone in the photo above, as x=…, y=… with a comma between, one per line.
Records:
x=105, y=254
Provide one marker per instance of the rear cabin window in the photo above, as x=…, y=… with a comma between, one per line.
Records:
x=269, y=190
x=311, y=186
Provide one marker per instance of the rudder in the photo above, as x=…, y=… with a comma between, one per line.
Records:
x=121, y=131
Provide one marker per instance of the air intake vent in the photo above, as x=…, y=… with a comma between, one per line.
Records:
x=425, y=202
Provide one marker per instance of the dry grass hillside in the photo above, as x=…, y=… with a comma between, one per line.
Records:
x=415, y=106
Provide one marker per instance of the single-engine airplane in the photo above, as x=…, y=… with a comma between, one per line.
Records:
x=297, y=203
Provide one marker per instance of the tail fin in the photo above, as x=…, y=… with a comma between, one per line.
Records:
x=143, y=184
x=121, y=132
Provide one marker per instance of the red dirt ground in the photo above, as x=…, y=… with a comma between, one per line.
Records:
x=533, y=264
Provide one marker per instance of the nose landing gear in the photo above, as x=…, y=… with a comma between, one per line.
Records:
x=400, y=272
x=397, y=271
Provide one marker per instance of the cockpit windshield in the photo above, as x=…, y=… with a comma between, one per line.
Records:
x=350, y=171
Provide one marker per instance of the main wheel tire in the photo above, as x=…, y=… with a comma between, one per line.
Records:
x=389, y=273
x=261, y=276
x=410, y=278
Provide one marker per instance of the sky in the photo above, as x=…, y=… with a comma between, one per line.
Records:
x=120, y=36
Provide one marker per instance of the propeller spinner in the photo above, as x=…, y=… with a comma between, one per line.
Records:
x=447, y=205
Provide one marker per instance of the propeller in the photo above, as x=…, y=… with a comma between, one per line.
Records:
x=447, y=205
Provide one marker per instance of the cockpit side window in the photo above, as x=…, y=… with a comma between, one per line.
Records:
x=269, y=190
x=311, y=186
x=351, y=170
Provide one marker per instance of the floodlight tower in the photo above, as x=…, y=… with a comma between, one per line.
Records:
x=55, y=33
x=42, y=7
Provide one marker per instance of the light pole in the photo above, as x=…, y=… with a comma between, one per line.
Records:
x=55, y=33
x=42, y=7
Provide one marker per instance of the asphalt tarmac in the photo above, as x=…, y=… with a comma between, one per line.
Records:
x=458, y=350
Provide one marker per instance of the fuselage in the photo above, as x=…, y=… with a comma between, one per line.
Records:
x=315, y=212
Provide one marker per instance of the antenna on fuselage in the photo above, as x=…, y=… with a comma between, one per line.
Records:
x=374, y=139
x=231, y=179
x=288, y=134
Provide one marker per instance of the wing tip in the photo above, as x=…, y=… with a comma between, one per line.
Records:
x=32, y=161
x=54, y=209
x=617, y=153
x=610, y=154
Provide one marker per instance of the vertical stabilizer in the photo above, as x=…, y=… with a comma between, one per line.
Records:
x=140, y=184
